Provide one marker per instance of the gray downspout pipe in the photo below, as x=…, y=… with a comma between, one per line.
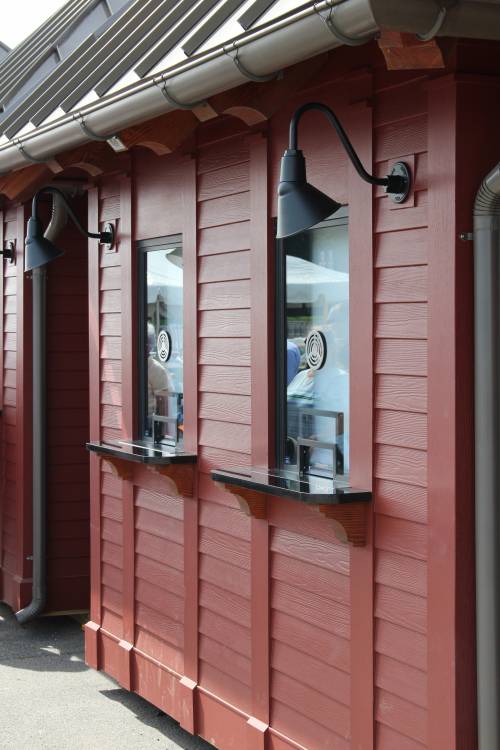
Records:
x=39, y=297
x=487, y=458
x=39, y=595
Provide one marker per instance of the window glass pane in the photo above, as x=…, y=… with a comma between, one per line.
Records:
x=317, y=350
x=163, y=337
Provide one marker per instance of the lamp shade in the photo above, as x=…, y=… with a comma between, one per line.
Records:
x=39, y=250
x=300, y=205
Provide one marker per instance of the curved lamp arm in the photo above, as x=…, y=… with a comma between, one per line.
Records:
x=106, y=237
x=397, y=183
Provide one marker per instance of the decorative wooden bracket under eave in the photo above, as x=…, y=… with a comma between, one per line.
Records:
x=24, y=182
x=93, y=158
x=348, y=519
x=404, y=51
x=254, y=103
x=163, y=134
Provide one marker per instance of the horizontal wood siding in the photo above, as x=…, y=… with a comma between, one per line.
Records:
x=159, y=576
x=68, y=426
x=224, y=432
x=310, y=639
x=8, y=505
x=400, y=468
x=110, y=413
x=141, y=593
x=269, y=632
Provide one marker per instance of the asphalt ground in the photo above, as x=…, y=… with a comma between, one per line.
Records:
x=50, y=699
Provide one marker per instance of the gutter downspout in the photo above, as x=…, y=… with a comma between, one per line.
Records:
x=487, y=458
x=39, y=294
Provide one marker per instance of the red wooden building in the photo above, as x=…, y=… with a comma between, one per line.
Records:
x=328, y=604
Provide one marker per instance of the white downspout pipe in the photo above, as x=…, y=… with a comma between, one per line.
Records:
x=487, y=455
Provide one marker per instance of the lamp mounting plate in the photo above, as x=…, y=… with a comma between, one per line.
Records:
x=400, y=169
x=9, y=251
x=109, y=236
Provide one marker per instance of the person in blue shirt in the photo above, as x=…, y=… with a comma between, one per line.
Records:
x=292, y=361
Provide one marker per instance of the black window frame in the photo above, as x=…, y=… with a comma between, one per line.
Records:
x=341, y=218
x=143, y=247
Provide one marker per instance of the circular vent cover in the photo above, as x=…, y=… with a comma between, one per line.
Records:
x=316, y=350
x=164, y=346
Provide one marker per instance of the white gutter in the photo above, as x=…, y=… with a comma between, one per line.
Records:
x=268, y=50
x=276, y=46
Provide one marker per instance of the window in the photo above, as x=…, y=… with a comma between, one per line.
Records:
x=313, y=350
x=161, y=341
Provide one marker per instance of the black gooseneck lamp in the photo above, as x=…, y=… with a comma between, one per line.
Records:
x=39, y=249
x=301, y=205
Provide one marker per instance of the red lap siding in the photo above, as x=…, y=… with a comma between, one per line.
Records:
x=224, y=300
x=68, y=427
x=400, y=330
x=241, y=626
x=9, y=512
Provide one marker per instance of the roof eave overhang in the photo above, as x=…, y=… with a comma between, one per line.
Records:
x=278, y=45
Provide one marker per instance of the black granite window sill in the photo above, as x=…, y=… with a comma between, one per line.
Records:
x=307, y=489
x=142, y=453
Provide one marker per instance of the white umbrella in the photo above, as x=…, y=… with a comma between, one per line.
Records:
x=164, y=280
x=305, y=281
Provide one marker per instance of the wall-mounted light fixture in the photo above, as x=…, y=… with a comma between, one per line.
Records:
x=39, y=249
x=9, y=250
x=301, y=205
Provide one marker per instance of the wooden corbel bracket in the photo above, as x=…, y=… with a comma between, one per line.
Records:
x=180, y=477
x=119, y=467
x=251, y=502
x=348, y=521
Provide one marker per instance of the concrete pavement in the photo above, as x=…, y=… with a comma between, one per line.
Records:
x=50, y=700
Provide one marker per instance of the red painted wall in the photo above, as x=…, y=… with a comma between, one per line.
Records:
x=68, y=532
x=67, y=425
x=15, y=523
x=269, y=633
x=401, y=238
x=282, y=622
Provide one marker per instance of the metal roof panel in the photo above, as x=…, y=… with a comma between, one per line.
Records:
x=254, y=12
x=171, y=39
x=214, y=22
x=4, y=50
x=92, y=20
x=72, y=76
x=135, y=33
x=16, y=119
x=172, y=17
x=142, y=37
x=24, y=58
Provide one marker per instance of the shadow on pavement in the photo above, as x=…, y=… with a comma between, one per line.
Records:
x=49, y=644
x=54, y=645
x=151, y=716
